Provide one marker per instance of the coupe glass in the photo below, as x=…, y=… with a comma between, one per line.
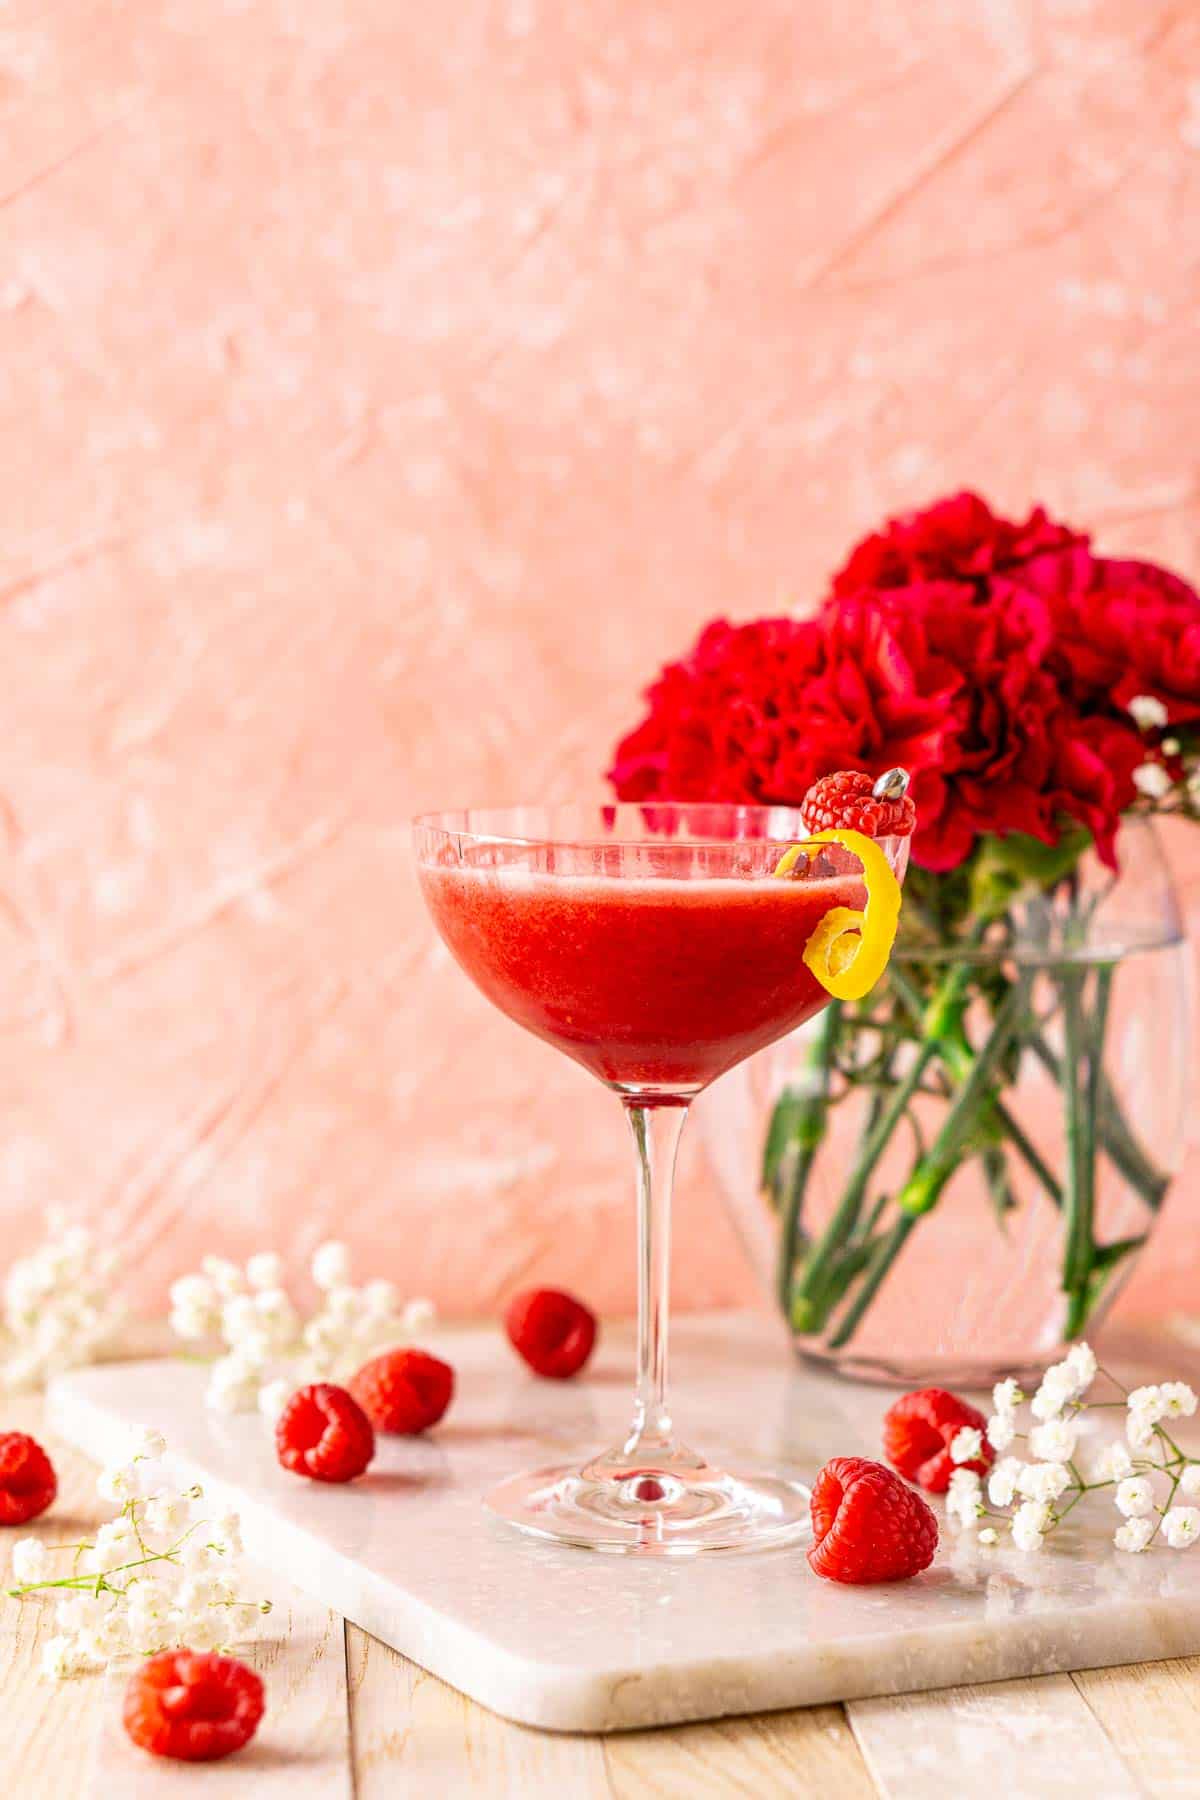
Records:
x=655, y=945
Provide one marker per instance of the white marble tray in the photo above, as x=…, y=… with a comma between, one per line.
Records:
x=569, y=1641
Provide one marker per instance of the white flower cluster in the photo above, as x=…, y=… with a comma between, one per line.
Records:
x=1148, y=712
x=270, y=1347
x=1041, y=1491
x=60, y=1308
x=1153, y=779
x=1150, y=779
x=162, y=1574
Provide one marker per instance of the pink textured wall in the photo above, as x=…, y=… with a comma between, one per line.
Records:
x=384, y=393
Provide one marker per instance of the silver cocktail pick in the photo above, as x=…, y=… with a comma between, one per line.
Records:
x=892, y=785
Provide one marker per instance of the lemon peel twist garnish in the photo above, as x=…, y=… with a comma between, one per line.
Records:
x=849, y=950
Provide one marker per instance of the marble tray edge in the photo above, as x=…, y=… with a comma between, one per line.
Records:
x=551, y=1697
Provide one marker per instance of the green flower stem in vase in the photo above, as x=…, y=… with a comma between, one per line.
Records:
x=1087, y=1264
x=923, y=1188
x=1115, y=1134
x=816, y=1286
x=805, y=1115
x=1079, y=1139
x=957, y=1059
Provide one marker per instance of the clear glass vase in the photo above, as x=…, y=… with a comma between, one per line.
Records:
x=953, y=1178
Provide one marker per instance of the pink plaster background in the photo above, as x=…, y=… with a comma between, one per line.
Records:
x=384, y=392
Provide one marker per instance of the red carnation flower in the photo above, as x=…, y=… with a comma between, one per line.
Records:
x=993, y=660
x=716, y=716
x=1122, y=628
x=755, y=713
x=957, y=539
x=1021, y=756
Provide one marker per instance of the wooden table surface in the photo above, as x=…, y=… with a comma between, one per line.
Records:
x=347, y=1716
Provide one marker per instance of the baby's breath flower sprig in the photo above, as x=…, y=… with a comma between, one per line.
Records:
x=60, y=1305
x=270, y=1346
x=1146, y=1470
x=1169, y=780
x=162, y=1574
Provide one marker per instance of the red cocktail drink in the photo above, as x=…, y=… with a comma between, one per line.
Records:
x=654, y=984
x=657, y=946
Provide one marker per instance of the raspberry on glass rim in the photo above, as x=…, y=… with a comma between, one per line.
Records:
x=878, y=806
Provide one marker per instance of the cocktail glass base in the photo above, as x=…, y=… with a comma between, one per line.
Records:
x=650, y=1512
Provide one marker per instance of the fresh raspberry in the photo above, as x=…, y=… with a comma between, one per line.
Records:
x=323, y=1432
x=404, y=1391
x=867, y=1526
x=845, y=801
x=28, y=1483
x=191, y=1707
x=553, y=1331
x=918, y=1431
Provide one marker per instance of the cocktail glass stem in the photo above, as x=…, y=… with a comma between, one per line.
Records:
x=656, y=1133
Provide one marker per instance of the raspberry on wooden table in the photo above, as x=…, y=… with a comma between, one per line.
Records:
x=324, y=1433
x=919, y=1430
x=867, y=1525
x=553, y=1331
x=191, y=1707
x=404, y=1391
x=845, y=801
x=28, y=1483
